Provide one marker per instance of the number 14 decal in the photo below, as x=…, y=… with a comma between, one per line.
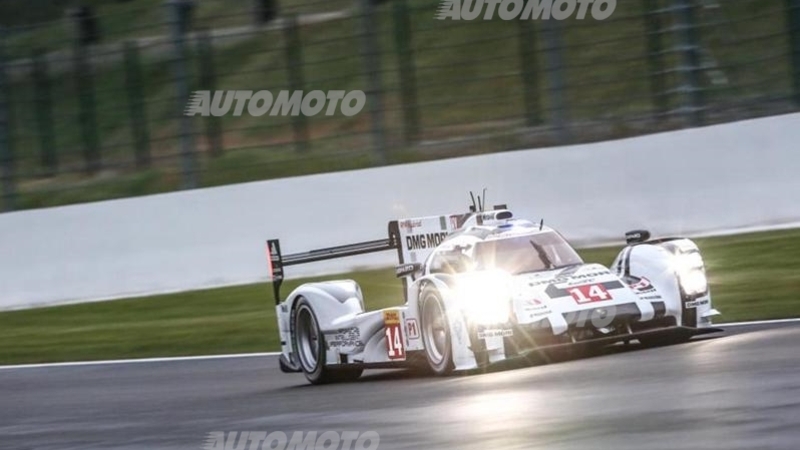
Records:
x=394, y=342
x=589, y=293
x=394, y=335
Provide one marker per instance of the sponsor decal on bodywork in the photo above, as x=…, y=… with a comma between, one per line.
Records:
x=405, y=270
x=536, y=307
x=696, y=303
x=564, y=280
x=410, y=224
x=412, y=329
x=484, y=334
x=345, y=338
x=642, y=286
x=457, y=220
x=534, y=304
x=427, y=240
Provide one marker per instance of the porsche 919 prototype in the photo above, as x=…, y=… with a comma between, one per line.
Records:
x=483, y=287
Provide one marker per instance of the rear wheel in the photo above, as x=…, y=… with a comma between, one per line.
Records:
x=309, y=346
x=436, y=332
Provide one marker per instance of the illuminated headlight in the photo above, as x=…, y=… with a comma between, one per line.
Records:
x=485, y=298
x=691, y=273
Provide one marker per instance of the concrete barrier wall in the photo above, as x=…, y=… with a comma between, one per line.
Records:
x=704, y=180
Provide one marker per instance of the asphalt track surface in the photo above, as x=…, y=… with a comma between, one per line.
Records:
x=737, y=391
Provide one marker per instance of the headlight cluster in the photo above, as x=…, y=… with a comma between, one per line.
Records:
x=691, y=273
x=485, y=298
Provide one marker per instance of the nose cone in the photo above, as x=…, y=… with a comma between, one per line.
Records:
x=590, y=287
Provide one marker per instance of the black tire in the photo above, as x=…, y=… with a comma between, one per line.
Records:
x=435, y=332
x=309, y=346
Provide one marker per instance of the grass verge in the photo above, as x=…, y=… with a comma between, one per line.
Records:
x=753, y=276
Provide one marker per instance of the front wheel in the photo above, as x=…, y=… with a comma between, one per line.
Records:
x=436, y=332
x=309, y=346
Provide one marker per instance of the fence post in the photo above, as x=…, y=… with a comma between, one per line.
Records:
x=178, y=13
x=264, y=11
x=407, y=69
x=793, y=17
x=208, y=81
x=528, y=56
x=554, y=67
x=43, y=105
x=87, y=117
x=653, y=28
x=6, y=150
x=134, y=85
x=688, y=45
x=294, y=67
x=372, y=71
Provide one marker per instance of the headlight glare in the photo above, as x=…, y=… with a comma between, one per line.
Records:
x=694, y=282
x=485, y=298
x=691, y=273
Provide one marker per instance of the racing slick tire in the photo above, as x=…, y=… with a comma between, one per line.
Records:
x=308, y=344
x=435, y=332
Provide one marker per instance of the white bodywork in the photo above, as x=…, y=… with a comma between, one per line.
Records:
x=577, y=303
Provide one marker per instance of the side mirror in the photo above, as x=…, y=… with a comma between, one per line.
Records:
x=406, y=270
x=637, y=236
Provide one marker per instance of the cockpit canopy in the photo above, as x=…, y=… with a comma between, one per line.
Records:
x=513, y=254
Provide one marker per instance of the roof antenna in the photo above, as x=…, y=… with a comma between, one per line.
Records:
x=541, y=225
x=483, y=200
x=472, y=208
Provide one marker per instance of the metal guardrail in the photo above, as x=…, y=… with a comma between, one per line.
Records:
x=87, y=119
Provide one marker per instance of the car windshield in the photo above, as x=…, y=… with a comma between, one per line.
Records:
x=515, y=255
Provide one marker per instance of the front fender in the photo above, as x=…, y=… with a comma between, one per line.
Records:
x=656, y=261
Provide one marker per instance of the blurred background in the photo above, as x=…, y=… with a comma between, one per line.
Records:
x=92, y=93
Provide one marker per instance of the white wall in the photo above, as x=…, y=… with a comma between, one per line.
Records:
x=694, y=181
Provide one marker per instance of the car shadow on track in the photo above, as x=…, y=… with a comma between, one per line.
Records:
x=531, y=360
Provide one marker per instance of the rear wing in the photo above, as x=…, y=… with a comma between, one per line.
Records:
x=277, y=261
x=413, y=239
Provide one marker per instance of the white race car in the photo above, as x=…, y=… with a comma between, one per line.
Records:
x=484, y=287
